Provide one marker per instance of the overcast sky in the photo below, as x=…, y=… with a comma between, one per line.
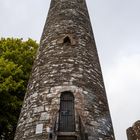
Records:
x=116, y=26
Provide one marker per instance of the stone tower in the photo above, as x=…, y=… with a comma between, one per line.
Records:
x=66, y=98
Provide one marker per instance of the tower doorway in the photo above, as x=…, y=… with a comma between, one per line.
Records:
x=66, y=114
x=66, y=138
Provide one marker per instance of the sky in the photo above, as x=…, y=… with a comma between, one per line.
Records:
x=116, y=27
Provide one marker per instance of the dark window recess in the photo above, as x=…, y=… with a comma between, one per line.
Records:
x=86, y=136
x=67, y=40
x=50, y=136
x=66, y=114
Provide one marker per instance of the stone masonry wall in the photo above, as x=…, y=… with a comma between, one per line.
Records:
x=66, y=66
x=133, y=133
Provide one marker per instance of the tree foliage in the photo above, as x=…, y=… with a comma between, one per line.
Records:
x=16, y=59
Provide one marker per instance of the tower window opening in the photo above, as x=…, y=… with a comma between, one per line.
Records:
x=50, y=136
x=67, y=40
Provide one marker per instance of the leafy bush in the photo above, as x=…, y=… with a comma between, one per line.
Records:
x=16, y=59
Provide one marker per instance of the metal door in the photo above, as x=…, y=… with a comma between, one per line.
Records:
x=66, y=114
x=66, y=138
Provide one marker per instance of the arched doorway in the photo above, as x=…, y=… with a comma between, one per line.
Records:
x=66, y=114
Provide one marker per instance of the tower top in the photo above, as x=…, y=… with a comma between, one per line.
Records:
x=67, y=17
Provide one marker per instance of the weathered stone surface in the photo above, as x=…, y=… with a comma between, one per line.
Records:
x=133, y=133
x=67, y=60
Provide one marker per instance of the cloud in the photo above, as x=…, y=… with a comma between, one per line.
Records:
x=122, y=84
x=23, y=19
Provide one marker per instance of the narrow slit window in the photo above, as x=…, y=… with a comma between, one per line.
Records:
x=50, y=136
x=67, y=40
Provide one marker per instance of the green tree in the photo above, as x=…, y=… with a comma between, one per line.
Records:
x=16, y=59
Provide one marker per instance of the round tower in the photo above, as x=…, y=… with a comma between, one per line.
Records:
x=66, y=98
